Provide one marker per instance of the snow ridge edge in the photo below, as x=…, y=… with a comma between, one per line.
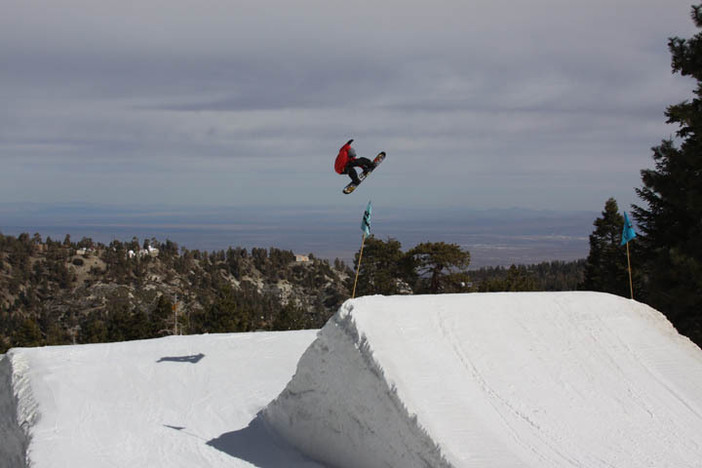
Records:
x=18, y=410
x=340, y=409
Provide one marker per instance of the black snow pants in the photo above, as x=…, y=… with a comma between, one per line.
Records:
x=363, y=163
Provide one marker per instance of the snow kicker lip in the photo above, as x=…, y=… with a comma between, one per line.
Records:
x=505, y=379
x=339, y=405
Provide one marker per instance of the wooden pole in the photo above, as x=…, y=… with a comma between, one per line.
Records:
x=628, y=262
x=175, y=316
x=358, y=267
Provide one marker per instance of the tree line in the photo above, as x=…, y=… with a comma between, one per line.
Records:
x=63, y=292
x=440, y=267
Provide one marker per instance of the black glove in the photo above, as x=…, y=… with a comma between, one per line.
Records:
x=349, y=142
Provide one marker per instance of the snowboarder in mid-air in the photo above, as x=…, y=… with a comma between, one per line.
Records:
x=346, y=163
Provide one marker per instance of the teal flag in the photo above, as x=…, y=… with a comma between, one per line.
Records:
x=366, y=223
x=628, y=232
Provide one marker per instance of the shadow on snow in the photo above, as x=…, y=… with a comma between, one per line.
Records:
x=257, y=445
x=194, y=359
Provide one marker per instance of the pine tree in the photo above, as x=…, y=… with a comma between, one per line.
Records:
x=28, y=334
x=162, y=317
x=438, y=261
x=606, y=265
x=382, y=265
x=671, y=222
x=519, y=279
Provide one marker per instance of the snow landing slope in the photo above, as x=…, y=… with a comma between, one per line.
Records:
x=496, y=380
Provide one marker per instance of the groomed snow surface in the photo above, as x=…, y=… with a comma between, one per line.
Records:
x=476, y=380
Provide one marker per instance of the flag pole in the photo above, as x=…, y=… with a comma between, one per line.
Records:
x=358, y=267
x=628, y=262
x=628, y=234
x=365, y=227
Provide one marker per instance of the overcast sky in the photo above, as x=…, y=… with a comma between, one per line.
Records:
x=549, y=104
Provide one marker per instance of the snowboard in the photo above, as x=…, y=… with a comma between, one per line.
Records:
x=352, y=186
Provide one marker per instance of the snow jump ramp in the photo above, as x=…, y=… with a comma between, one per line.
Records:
x=496, y=380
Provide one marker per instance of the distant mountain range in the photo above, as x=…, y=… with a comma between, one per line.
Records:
x=494, y=237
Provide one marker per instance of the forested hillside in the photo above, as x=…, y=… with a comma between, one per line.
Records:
x=63, y=292
x=55, y=292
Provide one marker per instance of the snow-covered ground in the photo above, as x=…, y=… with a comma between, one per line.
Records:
x=476, y=380
x=183, y=401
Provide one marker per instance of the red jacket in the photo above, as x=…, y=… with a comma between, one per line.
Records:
x=343, y=158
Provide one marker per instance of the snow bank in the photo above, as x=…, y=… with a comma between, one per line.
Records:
x=183, y=401
x=507, y=379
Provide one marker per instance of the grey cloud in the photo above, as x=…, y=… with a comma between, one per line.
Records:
x=468, y=90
